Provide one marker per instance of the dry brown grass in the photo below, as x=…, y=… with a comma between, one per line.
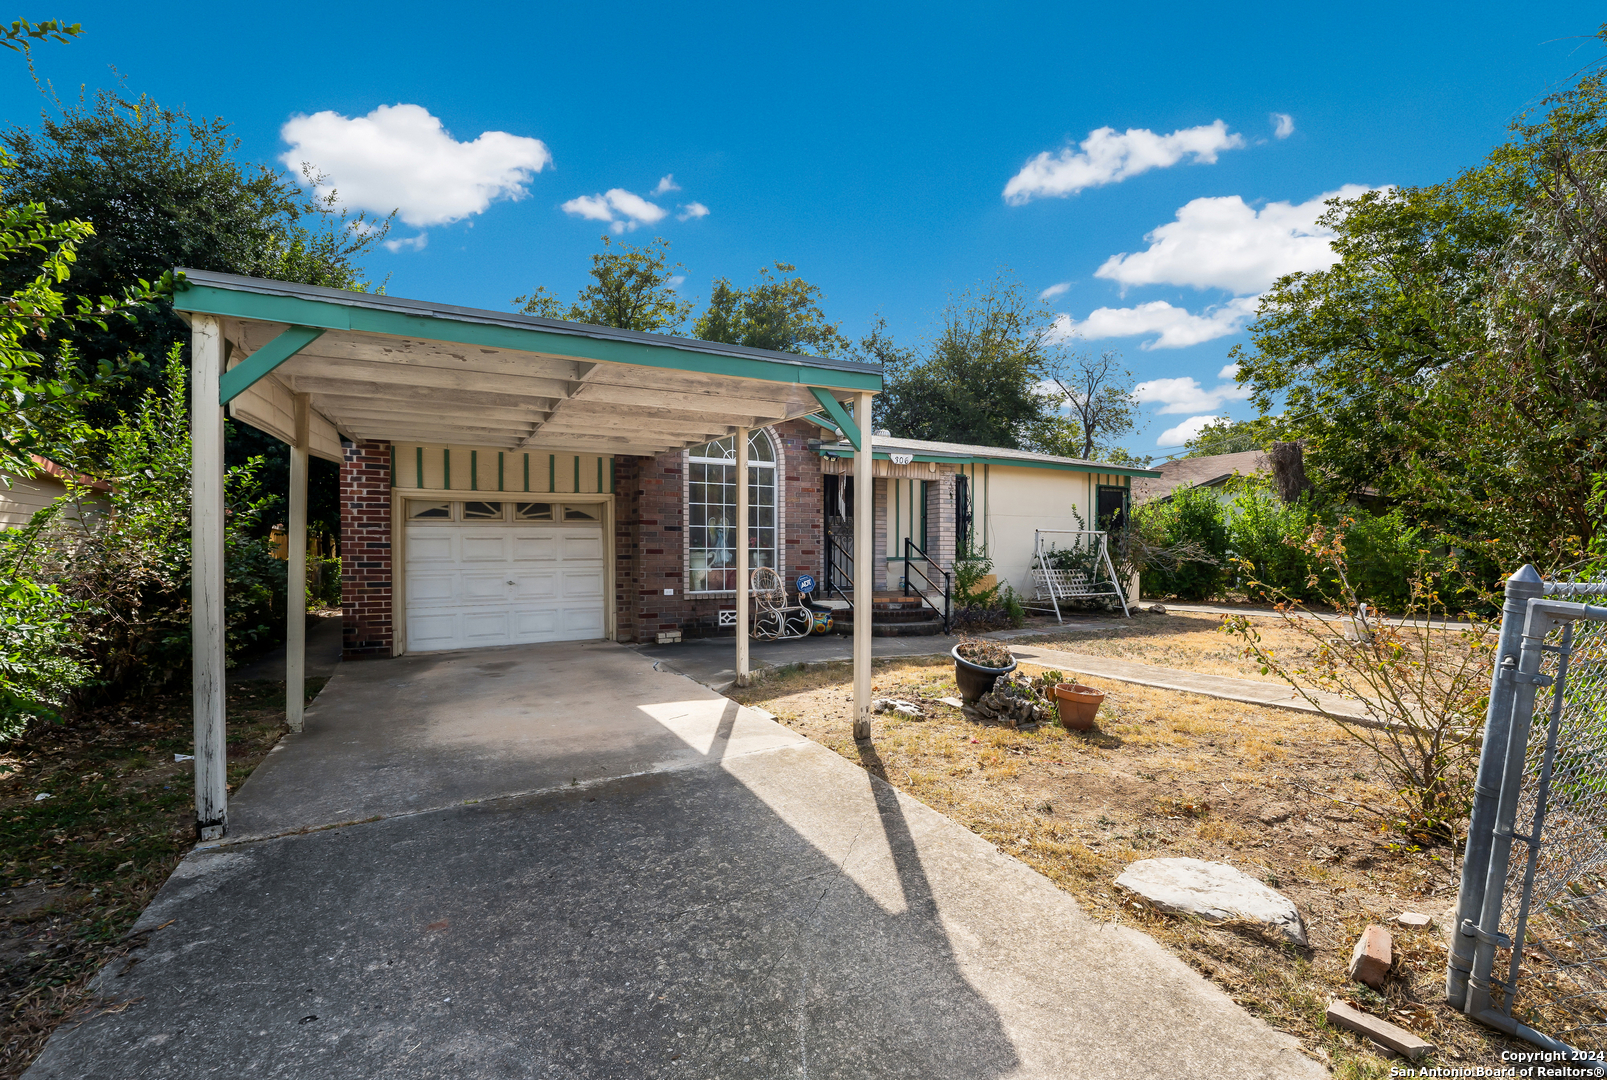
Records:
x=1169, y=774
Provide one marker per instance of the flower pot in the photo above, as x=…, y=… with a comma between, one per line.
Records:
x=975, y=680
x=1078, y=705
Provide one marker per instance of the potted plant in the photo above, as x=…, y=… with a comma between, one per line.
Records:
x=977, y=664
x=1078, y=705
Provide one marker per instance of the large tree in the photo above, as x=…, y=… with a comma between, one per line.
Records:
x=979, y=380
x=776, y=312
x=162, y=190
x=1452, y=358
x=1096, y=394
x=632, y=288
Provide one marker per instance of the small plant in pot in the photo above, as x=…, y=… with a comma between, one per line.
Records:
x=977, y=664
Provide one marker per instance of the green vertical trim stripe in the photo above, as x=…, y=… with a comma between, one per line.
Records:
x=446, y=468
x=499, y=470
x=419, y=459
x=527, y=472
x=577, y=474
x=599, y=476
x=474, y=470
x=552, y=473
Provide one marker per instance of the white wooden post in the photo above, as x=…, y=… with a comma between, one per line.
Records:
x=206, y=576
x=743, y=557
x=296, y=573
x=864, y=564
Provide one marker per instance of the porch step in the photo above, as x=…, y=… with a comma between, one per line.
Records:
x=916, y=628
x=894, y=615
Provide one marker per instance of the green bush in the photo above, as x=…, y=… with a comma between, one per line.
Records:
x=323, y=582
x=1195, y=517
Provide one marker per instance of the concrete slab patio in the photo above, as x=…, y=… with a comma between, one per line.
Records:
x=685, y=889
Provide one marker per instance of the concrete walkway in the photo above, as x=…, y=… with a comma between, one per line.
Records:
x=322, y=652
x=704, y=893
x=1321, y=616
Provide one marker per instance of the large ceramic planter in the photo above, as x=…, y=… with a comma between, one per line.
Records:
x=1078, y=705
x=975, y=680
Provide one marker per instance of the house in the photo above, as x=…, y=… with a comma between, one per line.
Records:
x=23, y=496
x=1210, y=471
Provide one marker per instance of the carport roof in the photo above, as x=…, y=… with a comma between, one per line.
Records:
x=383, y=367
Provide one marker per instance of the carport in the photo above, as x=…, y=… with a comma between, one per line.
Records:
x=312, y=366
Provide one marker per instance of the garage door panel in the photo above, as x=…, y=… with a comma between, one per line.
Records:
x=535, y=585
x=474, y=585
x=535, y=546
x=483, y=545
x=582, y=545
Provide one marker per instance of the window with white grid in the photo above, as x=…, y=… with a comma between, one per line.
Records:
x=711, y=511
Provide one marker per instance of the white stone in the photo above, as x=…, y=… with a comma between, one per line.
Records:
x=1215, y=892
x=1414, y=919
x=898, y=705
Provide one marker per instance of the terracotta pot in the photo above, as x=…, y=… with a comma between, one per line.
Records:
x=974, y=680
x=1078, y=705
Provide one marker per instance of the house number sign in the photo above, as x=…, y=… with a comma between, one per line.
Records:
x=901, y=459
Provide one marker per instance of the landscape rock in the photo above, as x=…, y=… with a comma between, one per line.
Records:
x=899, y=706
x=1370, y=959
x=1157, y=609
x=1215, y=892
x=1414, y=920
x=1382, y=1032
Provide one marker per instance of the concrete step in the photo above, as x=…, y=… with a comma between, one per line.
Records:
x=920, y=628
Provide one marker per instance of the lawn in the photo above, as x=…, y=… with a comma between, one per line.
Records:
x=1284, y=796
x=80, y=863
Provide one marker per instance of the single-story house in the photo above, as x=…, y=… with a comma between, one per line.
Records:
x=21, y=497
x=1210, y=471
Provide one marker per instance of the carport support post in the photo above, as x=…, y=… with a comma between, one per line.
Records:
x=864, y=565
x=742, y=555
x=296, y=573
x=206, y=575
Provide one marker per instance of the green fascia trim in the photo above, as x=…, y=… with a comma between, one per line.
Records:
x=240, y=378
x=955, y=459
x=835, y=410
x=324, y=315
x=821, y=421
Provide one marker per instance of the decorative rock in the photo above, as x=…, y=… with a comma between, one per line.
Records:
x=1414, y=920
x=899, y=706
x=952, y=702
x=1157, y=609
x=1382, y=1032
x=1215, y=892
x=1370, y=959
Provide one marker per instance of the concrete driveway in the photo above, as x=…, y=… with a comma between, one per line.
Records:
x=557, y=861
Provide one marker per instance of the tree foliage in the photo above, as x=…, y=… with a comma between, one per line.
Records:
x=776, y=312
x=632, y=288
x=1097, y=394
x=1452, y=358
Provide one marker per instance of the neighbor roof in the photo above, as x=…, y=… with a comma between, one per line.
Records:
x=969, y=454
x=1208, y=471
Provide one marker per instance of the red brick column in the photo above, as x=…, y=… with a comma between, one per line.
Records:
x=365, y=551
x=802, y=491
x=627, y=544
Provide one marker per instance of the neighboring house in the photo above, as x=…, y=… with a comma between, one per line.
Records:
x=1211, y=471
x=23, y=496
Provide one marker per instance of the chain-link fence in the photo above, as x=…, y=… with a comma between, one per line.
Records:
x=1529, y=951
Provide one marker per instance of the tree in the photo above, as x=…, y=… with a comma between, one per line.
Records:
x=162, y=190
x=1224, y=436
x=1098, y=393
x=979, y=379
x=632, y=288
x=778, y=313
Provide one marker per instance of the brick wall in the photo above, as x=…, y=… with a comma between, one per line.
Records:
x=365, y=551
x=650, y=537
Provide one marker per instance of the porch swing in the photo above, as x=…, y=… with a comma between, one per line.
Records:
x=1091, y=573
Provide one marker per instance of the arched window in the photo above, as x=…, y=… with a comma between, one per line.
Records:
x=711, y=511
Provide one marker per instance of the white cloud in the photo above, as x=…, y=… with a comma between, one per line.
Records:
x=692, y=210
x=1223, y=243
x=1283, y=125
x=1185, y=431
x=666, y=183
x=400, y=157
x=1186, y=395
x=1054, y=290
x=623, y=210
x=676, y=281
x=1177, y=327
x=1228, y=373
x=1108, y=156
x=408, y=243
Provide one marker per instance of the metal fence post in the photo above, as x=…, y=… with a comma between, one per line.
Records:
x=1521, y=587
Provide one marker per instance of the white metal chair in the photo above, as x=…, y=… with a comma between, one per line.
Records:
x=774, y=619
x=1055, y=585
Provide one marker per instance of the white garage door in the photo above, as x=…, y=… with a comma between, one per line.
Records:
x=486, y=573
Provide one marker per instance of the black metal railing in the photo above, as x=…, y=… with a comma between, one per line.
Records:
x=910, y=568
x=836, y=574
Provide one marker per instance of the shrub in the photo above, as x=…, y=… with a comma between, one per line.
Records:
x=1195, y=518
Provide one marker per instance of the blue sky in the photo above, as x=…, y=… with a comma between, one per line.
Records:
x=871, y=148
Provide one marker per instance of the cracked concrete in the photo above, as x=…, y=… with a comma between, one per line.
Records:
x=752, y=906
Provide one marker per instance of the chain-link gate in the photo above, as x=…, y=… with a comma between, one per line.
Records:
x=1529, y=949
